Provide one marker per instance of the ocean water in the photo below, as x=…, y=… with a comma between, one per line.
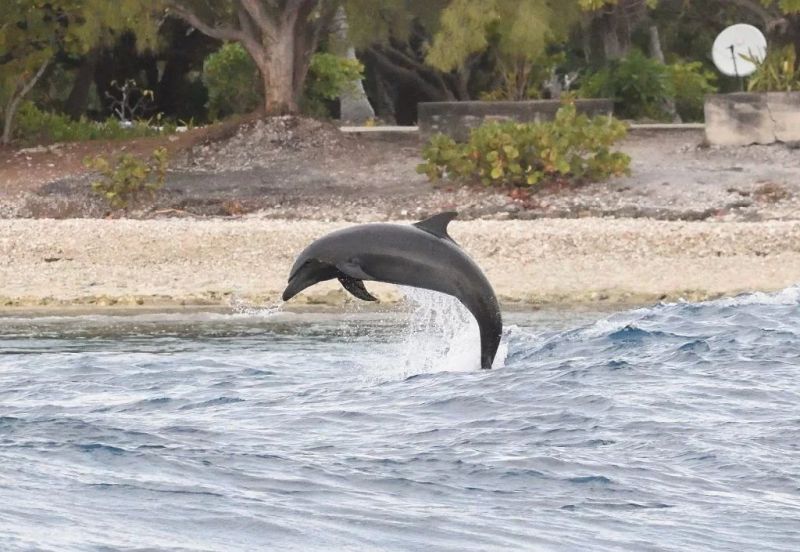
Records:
x=675, y=427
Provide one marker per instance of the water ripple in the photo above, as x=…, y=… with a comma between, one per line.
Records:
x=671, y=428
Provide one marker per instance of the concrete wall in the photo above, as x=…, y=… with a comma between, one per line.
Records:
x=456, y=119
x=745, y=118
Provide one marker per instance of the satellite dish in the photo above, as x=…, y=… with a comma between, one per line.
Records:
x=733, y=43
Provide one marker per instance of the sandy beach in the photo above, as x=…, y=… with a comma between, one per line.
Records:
x=556, y=262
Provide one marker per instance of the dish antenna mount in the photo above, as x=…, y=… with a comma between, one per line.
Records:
x=735, y=47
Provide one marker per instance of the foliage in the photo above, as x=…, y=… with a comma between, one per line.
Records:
x=33, y=32
x=35, y=126
x=638, y=85
x=595, y=5
x=689, y=83
x=524, y=81
x=328, y=77
x=127, y=177
x=231, y=76
x=641, y=87
x=777, y=72
x=785, y=6
x=370, y=22
x=128, y=100
x=514, y=34
x=572, y=146
x=516, y=29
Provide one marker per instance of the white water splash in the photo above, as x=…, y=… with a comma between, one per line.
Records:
x=618, y=321
x=242, y=307
x=788, y=296
x=441, y=335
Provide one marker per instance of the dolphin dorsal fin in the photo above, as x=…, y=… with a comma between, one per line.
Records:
x=437, y=224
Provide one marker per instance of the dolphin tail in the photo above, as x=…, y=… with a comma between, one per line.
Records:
x=490, y=341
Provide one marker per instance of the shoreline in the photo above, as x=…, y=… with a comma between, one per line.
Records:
x=146, y=265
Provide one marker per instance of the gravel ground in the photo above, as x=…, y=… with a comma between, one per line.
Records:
x=290, y=168
x=160, y=263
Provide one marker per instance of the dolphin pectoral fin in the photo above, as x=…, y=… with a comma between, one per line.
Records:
x=356, y=288
x=437, y=224
x=353, y=269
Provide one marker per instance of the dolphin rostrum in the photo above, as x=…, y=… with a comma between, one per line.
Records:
x=420, y=255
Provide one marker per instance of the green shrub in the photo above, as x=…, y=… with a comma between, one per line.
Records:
x=572, y=146
x=641, y=87
x=127, y=177
x=524, y=79
x=328, y=77
x=778, y=72
x=34, y=126
x=689, y=83
x=233, y=81
x=638, y=85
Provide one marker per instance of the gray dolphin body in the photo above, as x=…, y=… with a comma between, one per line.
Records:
x=420, y=255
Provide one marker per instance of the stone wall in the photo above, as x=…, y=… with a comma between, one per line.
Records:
x=456, y=119
x=745, y=118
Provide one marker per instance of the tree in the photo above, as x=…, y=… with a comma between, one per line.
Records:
x=33, y=32
x=29, y=36
x=609, y=25
x=280, y=36
x=515, y=33
x=393, y=36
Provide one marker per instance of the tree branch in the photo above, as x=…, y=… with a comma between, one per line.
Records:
x=405, y=74
x=11, y=110
x=220, y=32
x=307, y=34
x=260, y=17
x=251, y=37
x=425, y=72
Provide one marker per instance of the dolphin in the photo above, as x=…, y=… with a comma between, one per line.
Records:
x=421, y=255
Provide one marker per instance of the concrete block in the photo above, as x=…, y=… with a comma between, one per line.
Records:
x=745, y=118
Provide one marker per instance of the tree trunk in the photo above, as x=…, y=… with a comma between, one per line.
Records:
x=655, y=45
x=278, y=73
x=354, y=106
x=612, y=48
x=78, y=99
x=657, y=53
x=280, y=39
x=16, y=98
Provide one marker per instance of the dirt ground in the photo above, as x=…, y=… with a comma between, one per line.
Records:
x=299, y=169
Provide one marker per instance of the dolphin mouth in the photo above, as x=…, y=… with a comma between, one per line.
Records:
x=296, y=285
x=310, y=273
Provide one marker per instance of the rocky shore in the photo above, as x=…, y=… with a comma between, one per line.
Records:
x=557, y=262
x=294, y=168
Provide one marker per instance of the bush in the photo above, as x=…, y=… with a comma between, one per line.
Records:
x=233, y=81
x=128, y=176
x=689, y=83
x=328, y=77
x=778, y=72
x=34, y=126
x=573, y=146
x=638, y=85
x=642, y=87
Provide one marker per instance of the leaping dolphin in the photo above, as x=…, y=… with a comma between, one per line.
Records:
x=421, y=255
